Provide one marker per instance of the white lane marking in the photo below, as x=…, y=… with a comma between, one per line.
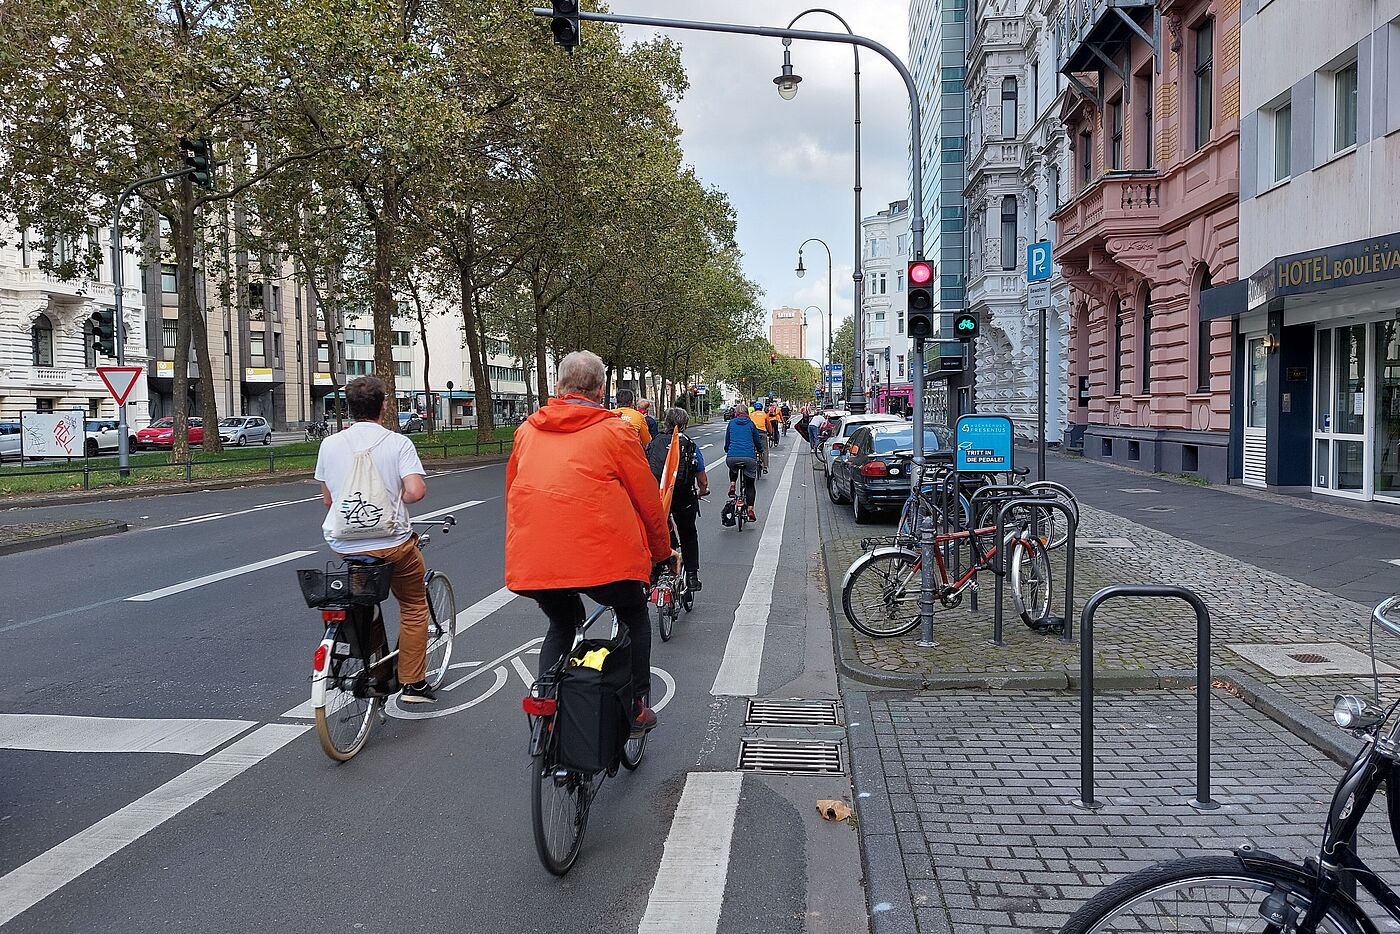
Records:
x=706, y=447
x=221, y=575
x=52, y=733
x=665, y=676
x=446, y=509
x=306, y=710
x=689, y=890
x=483, y=608
x=396, y=710
x=195, y=520
x=519, y=650
x=743, y=655
x=27, y=885
x=525, y=673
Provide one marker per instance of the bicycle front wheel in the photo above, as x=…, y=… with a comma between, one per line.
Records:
x=1031, y=585
x=559, y=802
x=442, y=625
x=881, y=594
x=1208, y=894
x=344, y=720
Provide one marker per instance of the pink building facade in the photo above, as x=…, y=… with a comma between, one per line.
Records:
x=1150, y=223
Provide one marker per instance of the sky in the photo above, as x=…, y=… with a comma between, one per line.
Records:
x=788, y=166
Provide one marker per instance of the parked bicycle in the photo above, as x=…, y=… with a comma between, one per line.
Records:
x=318, y=431
x=1254, y=890
x=561, y=793
x=353, y=671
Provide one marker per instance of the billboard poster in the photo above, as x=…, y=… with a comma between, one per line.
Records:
x=52, y=434
x=984, y=443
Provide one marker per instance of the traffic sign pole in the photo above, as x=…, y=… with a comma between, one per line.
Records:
x=1038, y=298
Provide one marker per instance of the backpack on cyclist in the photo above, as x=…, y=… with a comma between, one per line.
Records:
x=365, y=508
x=657, y=451
x=594, y=718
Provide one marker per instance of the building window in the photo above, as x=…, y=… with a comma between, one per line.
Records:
x=403, y=368
x=1202, y=336
x=1276, y=142
x=1054, y=177
x=400, y=338
x=1344, y=108
x=899, y=281
x=1205, y=71
x=899, y=366
x=1115, y=141
x=1145, y=317
x=1116, y=309
x=323, y=352
x=257, y=346
x=41, y=334
x=1142, y=132
x=1008, y=232
x=903, y=241
x=1086, y=158
x=43, y=406
x=359, y=367
x=900, y=322
x=89, y=344
x=359, y=336
x=1008, y=108
x=877, y=324
x=1035, y=91
x=168, y=335
x=24, y=248
x=276, y=348
x=168, y=283
x=298, y=350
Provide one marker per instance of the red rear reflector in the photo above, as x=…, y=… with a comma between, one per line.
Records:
x=318, y=661
x=873, y=469
x=333, y=616
x=539, y=706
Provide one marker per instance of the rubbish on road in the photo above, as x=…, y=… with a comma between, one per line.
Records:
x=831, y=809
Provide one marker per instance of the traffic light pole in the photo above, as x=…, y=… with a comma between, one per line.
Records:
x=916, y=223
x=118, y=285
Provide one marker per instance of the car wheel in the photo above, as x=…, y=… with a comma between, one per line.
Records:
x=861, y=512
x=90, y=447
x=267, y=438
x=242, y=440
x=833, y=491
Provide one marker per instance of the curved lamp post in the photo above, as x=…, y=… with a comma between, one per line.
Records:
x=818, y=310
x=787, y=83
x=802, y=271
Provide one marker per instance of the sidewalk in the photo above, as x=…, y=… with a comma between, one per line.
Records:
x=964, y=783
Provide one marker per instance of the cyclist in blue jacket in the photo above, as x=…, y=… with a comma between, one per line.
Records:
x=742, y=443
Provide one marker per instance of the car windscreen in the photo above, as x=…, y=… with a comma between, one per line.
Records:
x=94, y=426
x=163, y=423
x=936, y=440
x=230, y=423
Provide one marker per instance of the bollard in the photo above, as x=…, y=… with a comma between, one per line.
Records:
x=1202, y=801
x=87, y=479
x=271, y=466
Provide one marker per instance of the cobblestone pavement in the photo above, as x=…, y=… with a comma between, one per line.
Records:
x=980, y=785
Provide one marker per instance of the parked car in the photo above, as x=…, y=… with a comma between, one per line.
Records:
x=161, y=433
x=843, y=426
x=872, y=470
x=245, y=429
x=728, y=412
x=409, y=421
x=103, y=435
x=9, y=441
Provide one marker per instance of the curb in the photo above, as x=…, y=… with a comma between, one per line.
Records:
x=1298, y=720
x=61, y=538
x=107, y=494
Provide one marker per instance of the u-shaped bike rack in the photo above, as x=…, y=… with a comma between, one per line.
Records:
x=1072, y=522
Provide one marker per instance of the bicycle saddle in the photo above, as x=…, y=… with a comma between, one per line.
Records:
x=1021, y=471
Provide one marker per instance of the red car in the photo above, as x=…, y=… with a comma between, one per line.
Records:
x=161, y=433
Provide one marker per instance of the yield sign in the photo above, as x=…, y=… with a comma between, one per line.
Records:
x=120, y=380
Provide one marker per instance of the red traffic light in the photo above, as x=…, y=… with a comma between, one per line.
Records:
x=920, y=273
x=772, y=358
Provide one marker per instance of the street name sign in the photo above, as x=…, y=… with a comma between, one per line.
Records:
x=984, y=443
x=120, y=380
x=1038, y=261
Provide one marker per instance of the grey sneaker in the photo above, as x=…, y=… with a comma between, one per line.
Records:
x=419, y=693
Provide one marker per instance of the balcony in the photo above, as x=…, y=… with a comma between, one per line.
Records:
x=1118, y=204
x=1089, y=26
x=998, y=157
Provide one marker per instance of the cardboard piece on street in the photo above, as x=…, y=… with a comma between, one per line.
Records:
x=831, y=809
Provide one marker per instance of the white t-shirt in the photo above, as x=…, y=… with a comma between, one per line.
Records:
x=394, y=456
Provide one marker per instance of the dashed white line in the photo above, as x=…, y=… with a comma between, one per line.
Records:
x=207, y=515
x=689, y=891
x=218, y=576
x=483, y=608
x=210, y=517
x=53, y=733
x=446, y=509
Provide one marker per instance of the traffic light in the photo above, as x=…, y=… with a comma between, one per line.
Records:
x=564, y=25
x=772, y=359
x=965, y=325
x=920, y=276
x=197, y=159
x=104, y=332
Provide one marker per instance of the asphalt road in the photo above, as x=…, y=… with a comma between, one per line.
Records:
x=236, y=821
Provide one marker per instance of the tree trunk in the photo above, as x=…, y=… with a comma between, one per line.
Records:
x=182, y=233
x=481, y=401
x=423, y=336
x=385, y=228
x=208, y=392
x=529, y=389
x=541, y=328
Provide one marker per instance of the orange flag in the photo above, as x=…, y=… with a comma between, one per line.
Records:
x=668, y=473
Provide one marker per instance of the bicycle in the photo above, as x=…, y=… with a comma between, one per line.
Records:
x=671, y=591
x=317, y=431
x=880, y=592
x=561, y=797
x=1255, y=890
x=352, y=675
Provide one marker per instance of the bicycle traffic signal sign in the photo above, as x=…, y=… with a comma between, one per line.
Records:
x=920, y=279
x=965, y=325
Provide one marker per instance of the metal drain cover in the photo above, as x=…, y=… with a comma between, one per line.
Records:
x=806, y=757
x=791, y=713
x=1310, y=658
x=1104, y=543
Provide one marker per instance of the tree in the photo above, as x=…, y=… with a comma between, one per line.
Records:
x=843, y=350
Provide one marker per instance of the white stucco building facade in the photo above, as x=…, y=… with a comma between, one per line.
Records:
x=884, y=303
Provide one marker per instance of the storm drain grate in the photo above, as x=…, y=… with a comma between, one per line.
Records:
x=1309, y=658
x=792, y=713
x=796, y=758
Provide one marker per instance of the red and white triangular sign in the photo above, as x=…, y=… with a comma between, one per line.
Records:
x=120, y=380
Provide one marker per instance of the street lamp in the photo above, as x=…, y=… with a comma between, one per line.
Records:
x=818, y=310
x=801, y=271
x=787, y=88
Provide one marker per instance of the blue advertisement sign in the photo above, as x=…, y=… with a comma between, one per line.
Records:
x=1038, y=261
x=984, y=443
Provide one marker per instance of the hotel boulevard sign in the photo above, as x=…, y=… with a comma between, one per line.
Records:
x=1361, y=261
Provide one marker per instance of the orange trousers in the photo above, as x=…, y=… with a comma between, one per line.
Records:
x=412, y=595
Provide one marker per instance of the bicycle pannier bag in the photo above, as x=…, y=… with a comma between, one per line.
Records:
x=365, y=508
x=595, y=704
x=726, y=515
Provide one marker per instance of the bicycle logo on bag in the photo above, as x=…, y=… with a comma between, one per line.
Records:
x=359, y=513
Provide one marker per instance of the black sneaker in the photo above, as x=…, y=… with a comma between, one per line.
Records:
x=419, y=693
x=692, y=580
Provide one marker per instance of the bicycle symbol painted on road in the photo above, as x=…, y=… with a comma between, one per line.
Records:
x=471, y=676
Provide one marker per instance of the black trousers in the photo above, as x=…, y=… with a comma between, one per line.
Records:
x=749, y=467
x=565, y=611
x=685, y=515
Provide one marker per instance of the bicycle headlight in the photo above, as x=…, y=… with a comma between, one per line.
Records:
x=1352, y=712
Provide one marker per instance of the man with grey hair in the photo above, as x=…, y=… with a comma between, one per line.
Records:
x=692, y=482
x=581, y=373
x=644, y=407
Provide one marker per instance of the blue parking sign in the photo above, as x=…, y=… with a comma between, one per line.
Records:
x=1038, y=261
x=984, y=443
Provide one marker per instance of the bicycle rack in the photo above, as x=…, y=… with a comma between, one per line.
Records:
x=1086, y=800
x=1072, y=521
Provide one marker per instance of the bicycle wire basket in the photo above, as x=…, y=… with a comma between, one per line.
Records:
x=345, y=584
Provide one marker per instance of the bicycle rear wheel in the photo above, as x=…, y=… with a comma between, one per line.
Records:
x=881, y=594
x=666, y=615
x=1031, y=584
x=344, y=720
x=442, y=625
x=1207, y=894
x=559, y=803
x=634, y=749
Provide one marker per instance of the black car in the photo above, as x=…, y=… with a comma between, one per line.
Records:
x=872, y=471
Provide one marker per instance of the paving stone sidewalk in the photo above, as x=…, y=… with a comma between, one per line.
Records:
x=979, y=785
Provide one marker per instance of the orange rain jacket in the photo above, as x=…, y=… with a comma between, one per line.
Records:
x=582, y=505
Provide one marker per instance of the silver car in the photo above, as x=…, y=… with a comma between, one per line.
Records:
x=9, y=441
x=842, y=435
x=245, y=429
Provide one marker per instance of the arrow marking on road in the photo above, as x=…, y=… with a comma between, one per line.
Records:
x=213, y=578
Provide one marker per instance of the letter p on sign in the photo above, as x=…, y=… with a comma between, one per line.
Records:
x=1038, y=261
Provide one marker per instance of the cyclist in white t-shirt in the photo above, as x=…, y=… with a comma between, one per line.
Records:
x=399, y=467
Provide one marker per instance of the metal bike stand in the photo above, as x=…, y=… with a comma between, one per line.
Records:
x=1072, y=523
x=1202, y=801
